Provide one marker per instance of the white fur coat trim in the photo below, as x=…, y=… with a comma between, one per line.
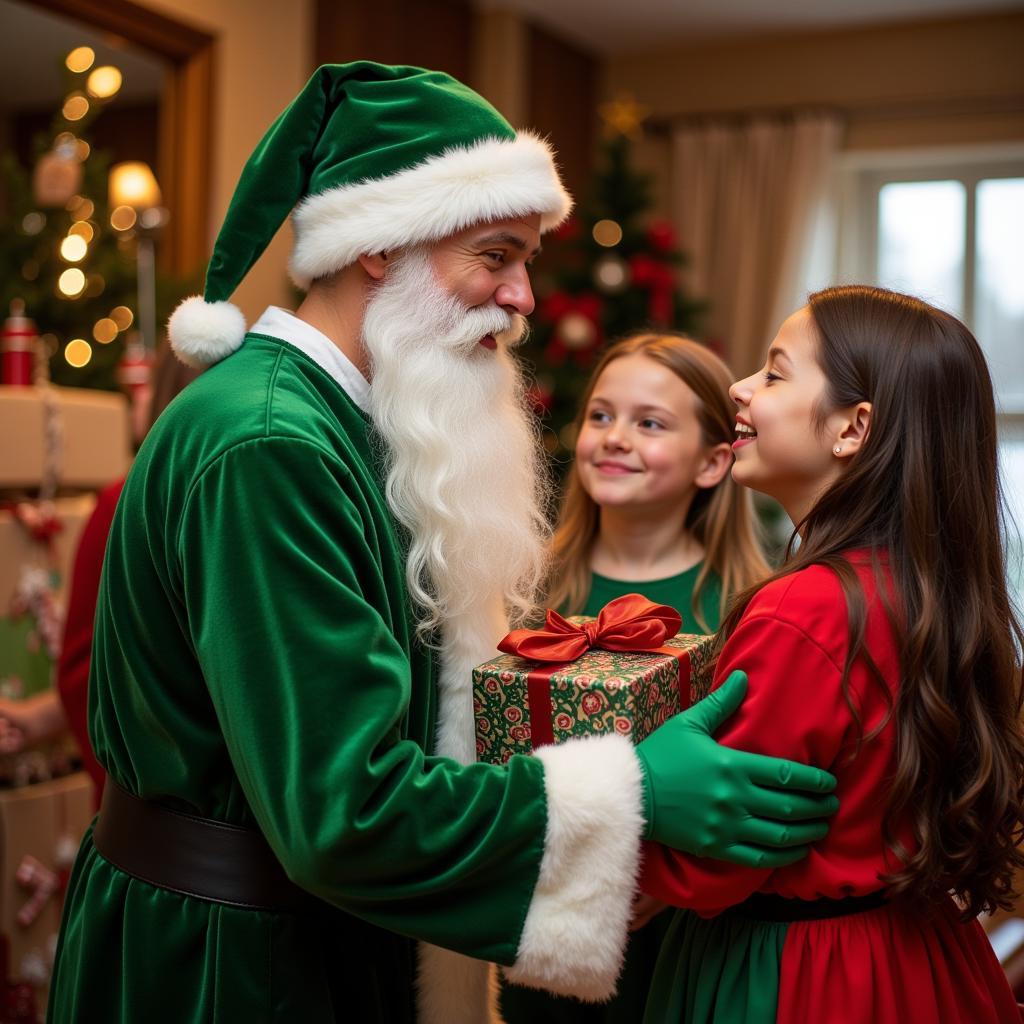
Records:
x=576, y=927
x=491, y=180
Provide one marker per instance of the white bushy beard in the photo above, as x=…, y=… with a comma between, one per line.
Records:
x=460, y=447
x=463, y=477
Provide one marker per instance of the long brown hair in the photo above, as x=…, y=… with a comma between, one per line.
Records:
x=923, y=494
x=721, y=518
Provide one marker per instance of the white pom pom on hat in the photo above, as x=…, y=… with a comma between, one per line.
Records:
x=203, y=333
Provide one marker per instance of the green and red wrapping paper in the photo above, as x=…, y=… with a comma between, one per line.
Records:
x=626, y=671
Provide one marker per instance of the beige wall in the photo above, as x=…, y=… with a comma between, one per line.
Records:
x=931, y=83
x=263, y=56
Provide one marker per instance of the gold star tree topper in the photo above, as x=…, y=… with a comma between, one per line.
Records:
x=623, y=116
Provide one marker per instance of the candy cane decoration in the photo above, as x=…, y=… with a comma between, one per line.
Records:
x=42, y=884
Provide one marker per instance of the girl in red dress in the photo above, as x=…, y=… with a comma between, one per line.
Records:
x=885, y=650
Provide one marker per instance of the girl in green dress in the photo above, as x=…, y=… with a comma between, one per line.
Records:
x=650, y=507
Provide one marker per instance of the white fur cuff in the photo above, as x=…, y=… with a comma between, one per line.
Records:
x=576, y=927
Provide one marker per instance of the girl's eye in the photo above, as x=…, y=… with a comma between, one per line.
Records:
x=649, y=424
x=769, y=377
x=597, y=416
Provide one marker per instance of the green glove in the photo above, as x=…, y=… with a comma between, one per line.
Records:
x=712, y=801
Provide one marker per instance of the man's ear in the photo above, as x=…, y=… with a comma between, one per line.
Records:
x=375, y=264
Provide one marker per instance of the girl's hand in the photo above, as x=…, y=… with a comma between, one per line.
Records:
x=24, y=723
x=644, y=909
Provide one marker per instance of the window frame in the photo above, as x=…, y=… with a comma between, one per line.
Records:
x=862, y=174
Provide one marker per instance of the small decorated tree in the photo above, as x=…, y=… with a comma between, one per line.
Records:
x=68, y=256
x=616, y=273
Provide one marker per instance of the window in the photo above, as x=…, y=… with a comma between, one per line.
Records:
x=948, y=226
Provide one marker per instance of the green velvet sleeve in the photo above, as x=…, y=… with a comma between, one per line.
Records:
x=290, y=623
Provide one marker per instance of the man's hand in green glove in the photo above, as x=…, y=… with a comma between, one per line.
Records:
x=712, y=801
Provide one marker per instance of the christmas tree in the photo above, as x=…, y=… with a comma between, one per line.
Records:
x=616, y=273
x=67, y=255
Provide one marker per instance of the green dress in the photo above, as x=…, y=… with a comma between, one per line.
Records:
x=254, y=662
x=529, y=1006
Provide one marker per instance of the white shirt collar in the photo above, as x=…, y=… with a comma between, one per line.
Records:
x=280, y=323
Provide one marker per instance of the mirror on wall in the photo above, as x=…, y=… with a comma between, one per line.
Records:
x=104, y=117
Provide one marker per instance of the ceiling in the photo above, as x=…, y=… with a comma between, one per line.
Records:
x=33, y=41
x=616, y=27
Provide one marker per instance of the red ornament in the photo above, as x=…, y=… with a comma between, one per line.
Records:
x=661, y=237
x=133, y=374
x=577, y=327
x=568, y=230
x=19, y=342
x=659, y=280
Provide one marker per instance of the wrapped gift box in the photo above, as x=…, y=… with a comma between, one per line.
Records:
x=20, y=550
x=92, y=430
x=40, y=829
x=520, y=703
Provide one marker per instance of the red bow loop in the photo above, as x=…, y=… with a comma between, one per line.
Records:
x=629, y=623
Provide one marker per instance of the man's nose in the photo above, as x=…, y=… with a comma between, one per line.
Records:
x=514, y=294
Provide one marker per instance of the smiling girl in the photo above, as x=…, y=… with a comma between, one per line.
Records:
x=649, y=508
x=649, y=505
x=886, y=651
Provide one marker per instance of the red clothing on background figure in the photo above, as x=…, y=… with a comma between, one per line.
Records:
x=76, y=653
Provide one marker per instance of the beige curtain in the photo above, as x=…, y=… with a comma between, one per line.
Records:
x=751, y=204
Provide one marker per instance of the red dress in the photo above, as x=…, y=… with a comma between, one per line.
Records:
x=76, y=652
x=878, y=966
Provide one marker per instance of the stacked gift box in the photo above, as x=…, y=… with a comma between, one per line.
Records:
x=60, y=446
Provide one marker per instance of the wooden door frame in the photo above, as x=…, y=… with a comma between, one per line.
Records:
x=186, y=116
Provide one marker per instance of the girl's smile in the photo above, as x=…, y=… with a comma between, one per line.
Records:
x=745, y=433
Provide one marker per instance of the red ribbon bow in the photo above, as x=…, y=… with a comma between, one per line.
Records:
x=629, y=623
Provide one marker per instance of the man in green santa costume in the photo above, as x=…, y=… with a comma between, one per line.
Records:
x=317, y=542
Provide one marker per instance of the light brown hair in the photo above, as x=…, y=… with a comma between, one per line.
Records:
x=923, y=493
x=721, y=518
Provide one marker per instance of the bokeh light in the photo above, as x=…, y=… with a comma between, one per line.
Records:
x=104, y=331
x=74, y=248
x=80, y=59
x=76, y=106
x=78, y=352
x=71, y=282
x=104, y=82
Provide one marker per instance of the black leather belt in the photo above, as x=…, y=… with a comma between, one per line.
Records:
x=199, y=857
x=765, y=906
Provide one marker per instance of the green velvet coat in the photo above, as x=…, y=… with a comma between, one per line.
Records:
x=254, y=662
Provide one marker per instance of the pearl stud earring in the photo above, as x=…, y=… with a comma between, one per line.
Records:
x=838, y=450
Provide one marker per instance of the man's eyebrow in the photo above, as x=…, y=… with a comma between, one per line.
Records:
x=507, y=238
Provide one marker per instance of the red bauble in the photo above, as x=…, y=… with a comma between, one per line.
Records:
x=568, y=231
x=661, y=237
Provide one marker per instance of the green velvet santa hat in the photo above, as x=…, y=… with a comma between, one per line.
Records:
x=370, y=157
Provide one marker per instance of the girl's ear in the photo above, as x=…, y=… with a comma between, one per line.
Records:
x=853, y=432
x=716, y=464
